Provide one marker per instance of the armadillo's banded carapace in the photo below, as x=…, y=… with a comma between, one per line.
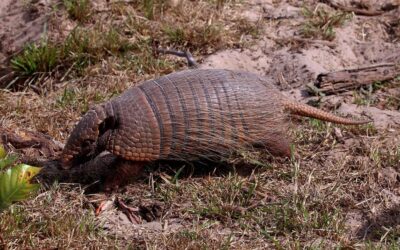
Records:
x=192, y=114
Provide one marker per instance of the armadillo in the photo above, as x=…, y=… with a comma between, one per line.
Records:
x=186, y=115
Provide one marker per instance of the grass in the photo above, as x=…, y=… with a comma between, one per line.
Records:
x=81, y=48
x=149, y=7
x=67, y=224
x=36, y=59
x=84, y=48
x=79, y=10
x=128, y=45
x=320, y=24
x=378, y=94
x=192, y=39
x=182, y=28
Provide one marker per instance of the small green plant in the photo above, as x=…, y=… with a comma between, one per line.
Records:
x=78, y=9
x=148, y=6
x=364, y=96
x=318, y=125
x=175, y=35
x=320, y=24
x=36, y=59
x=78, y=48
x=198, y=38
x=68, y=98
x=15, y=180
x=83, y=47
x=245, y=27
x=114, y=42
x=153, y=9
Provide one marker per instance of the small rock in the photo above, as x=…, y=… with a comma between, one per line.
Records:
x=388, y=175
x=338, y=134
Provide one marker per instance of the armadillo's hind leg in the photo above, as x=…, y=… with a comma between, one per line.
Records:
x=125, y=172
x=276, y=145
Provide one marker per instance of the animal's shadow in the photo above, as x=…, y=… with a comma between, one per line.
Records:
x=93, y=173
x=199, y=168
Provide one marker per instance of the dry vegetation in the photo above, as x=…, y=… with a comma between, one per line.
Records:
x=341, y=189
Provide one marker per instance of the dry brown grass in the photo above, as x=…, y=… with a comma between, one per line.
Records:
x=309, y=201
x=124, y=35
x=60, y=217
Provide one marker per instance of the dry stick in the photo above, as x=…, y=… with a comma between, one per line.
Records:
x=191, y=61
x=343, y=80
x=323, y=42
x=355, y=10
x=304, y=40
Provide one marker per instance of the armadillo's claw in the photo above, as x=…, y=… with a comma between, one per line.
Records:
x=103, y=206
x=130, y=212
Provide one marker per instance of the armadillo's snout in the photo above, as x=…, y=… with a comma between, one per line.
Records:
x=66, y=161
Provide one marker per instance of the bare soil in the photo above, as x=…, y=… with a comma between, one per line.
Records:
x=340, y=190
x=21, y=22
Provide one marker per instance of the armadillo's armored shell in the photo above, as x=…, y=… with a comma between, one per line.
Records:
x=197, y=113
x=135, y=134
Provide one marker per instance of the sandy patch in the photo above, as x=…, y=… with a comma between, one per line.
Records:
x=21, y=22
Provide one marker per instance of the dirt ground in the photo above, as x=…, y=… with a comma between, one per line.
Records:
x=340, y=190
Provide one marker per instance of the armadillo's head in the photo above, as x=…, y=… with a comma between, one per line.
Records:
x=83, y=138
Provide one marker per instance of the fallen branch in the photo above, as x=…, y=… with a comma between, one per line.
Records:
x=356, y=11
x=344, y=80
x=285, y=41
x=29, y=144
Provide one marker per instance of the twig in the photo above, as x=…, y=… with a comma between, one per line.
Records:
x=355, y=10
x=2, y=241
x=191, y=61
x=305, y=40
x=284, y=40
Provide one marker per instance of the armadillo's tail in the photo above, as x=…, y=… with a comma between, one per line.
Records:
x=306, y=110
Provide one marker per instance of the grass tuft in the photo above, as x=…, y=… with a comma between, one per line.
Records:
x=42, y=58
x=79, y=10
x=320, y=24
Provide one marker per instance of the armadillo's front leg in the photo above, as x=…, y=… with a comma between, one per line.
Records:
x=125, y=172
